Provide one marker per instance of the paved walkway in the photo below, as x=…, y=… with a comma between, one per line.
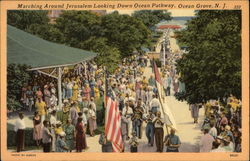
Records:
x=188, y=132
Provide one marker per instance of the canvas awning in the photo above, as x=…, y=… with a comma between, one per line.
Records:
x=25, y=48
x=169, y=27
x=43, y=56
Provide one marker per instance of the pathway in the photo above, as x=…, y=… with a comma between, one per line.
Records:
x=188, y=132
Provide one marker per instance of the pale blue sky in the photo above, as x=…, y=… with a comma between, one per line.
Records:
x=175, y=13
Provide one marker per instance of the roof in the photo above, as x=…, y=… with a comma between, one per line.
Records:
x=25, y=48
x=169, y=26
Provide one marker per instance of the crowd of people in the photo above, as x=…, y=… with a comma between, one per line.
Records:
x=222, y=126
x=138, y=104
x=81, y=87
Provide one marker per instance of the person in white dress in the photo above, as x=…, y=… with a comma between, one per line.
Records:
x=128, y=112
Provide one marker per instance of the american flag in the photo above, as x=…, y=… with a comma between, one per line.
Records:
x=112, y=120
x=113, y=125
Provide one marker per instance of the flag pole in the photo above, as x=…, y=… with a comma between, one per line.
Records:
x=154, y=69
x=104, y=98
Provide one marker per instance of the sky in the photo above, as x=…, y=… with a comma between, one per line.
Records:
x=175, y=13
x=180, y=13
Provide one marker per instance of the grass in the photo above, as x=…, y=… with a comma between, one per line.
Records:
x=10, y=126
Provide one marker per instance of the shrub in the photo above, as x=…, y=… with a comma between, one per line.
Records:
x=17, y=75
x=11, y=136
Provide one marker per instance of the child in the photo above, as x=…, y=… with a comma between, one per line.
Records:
x=133, y=143
x=58, y=128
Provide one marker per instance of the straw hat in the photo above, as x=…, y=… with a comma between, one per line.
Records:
x=228, y=127
x=62, y=133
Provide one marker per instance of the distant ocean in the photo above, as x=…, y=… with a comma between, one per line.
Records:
x=181, y=21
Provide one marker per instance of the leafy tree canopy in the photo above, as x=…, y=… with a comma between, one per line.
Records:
x=78, y=26
x=125, y=32
x=24, y=19
x=17, y=76
x=107, y=56
x=152, y=17
x=212, y=67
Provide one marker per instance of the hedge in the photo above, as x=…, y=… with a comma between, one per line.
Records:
x=11, y=136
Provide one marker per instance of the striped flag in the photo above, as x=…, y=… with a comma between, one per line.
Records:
x=169, y=119
x=113, y=125
x=112, y=118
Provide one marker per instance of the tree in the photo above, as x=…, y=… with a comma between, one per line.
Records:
x=152, y=17
x=23, y=19
x=212, y=67
x=122, y=32
x=78, y=26
x=84, y=30
x=107, y=56
x=17, y=76
x=47, y=31
x=36, y=23
x=125, y=33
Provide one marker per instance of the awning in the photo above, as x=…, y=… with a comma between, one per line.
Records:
x=43, y=56
x=169, y=27
x=25, y=48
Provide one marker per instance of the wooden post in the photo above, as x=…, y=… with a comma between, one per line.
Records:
x=59, y=84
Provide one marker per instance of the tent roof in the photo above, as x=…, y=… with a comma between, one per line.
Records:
x=25, y=48
x=169, y=26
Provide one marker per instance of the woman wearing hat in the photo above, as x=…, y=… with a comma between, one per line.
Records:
x=65, y=113
x=194, y=109
x=224, y=146
x=47, y=95
x=86, y=91
x=60, y=143
x=70, y=135
x=75, y=92
x=37, y=131
x=80, y=136
x=39, y=93
x=41, y=108
x=92, y=119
